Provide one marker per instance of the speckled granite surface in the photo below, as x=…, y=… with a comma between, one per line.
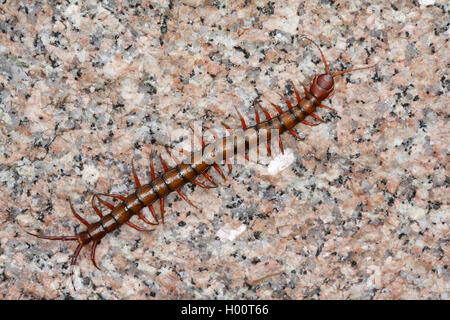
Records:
x=361, y=212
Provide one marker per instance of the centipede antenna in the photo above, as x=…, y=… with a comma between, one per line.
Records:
x=339, y=73
x=327, y=69
x=321, y=53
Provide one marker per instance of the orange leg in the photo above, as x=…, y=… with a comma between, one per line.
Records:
x=114, y=196
x=326, y=107
x=152, y=168
x=226, y=160
x=297, y=95
x=197, y=183
x=76, y=253
x=135, y=177
x=306, y=90
x=215, y=166
x=288, y=102
x=208, y=177
x=309, y=123
x=105, y=203
x=244, y=125
x=280, y=111
x=316, y=117
x=164, y=164
x=143, y=218
x=161, y=200
x=268, y=117
x=292, y=131
x=130, y=224
x=258, y=121
x=186, y=199
x=96, y=209
x=266, y=113
x=94, y=246
x=231, y=131
x=78, y=216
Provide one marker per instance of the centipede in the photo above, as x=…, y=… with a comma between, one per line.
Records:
x=172, y=179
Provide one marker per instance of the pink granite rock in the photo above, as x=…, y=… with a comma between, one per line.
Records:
x=359, y=211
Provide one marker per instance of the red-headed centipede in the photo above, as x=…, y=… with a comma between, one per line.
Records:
x=172, y=179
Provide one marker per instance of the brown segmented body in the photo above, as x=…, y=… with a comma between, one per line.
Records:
x=174, y=178
x=144, y=196
x=183, y=173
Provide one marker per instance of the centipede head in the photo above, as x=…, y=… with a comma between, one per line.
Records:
x=323, y=85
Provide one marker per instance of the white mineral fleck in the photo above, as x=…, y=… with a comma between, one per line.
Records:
x=228, y=234
x=281, y=162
